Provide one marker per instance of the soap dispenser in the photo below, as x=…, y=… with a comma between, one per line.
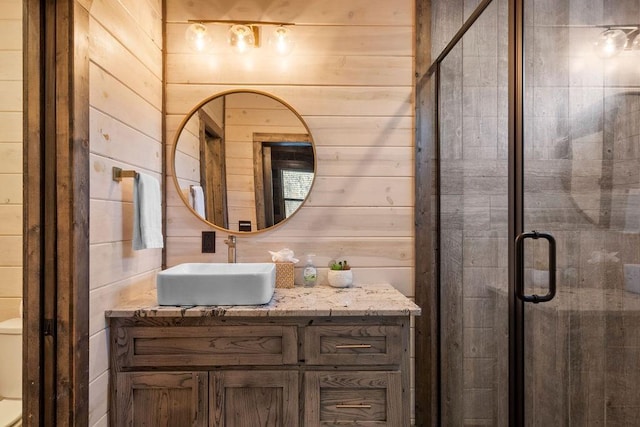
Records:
x=310, y=273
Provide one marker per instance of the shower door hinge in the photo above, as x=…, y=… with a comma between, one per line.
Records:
x=49, y=328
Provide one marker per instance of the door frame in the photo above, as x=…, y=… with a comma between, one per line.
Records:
x=427, y=206
x=56, y=212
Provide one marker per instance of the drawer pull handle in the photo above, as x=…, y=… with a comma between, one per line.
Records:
x=353, y=346
x=353, y=406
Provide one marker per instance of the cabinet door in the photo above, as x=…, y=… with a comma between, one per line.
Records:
x=253, y=398
x=161, y=399
x=363, y=398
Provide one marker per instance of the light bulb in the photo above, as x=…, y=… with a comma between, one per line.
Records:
x=281, y=41
x=635, y=46
x=241, y=38
x=610, y=43
x=198, y=38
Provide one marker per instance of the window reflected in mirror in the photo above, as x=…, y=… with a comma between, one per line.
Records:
x=244, y=157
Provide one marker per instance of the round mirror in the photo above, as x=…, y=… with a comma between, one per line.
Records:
x=243, y=161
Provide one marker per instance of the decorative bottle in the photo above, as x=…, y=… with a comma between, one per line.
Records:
x=310, y=273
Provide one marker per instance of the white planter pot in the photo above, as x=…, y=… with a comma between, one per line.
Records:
x=340, y=278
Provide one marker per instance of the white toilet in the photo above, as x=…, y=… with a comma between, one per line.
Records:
x=11, y=372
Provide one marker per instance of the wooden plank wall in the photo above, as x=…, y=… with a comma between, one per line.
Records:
x=351, y=78
x=10, y=158
x=125, y=131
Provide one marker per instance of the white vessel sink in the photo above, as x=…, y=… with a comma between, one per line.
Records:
x=216, y=284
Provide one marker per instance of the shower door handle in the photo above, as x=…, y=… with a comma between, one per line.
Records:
x=520, y=267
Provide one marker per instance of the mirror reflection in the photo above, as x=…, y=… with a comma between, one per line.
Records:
x=244, y=161
x=603, y=181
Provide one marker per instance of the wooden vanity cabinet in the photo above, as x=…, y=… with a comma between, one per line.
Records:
x=208, y=371
x=161, y=399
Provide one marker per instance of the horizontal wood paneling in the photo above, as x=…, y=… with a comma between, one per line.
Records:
x=119, y=140
x=11, y=125
x=125, y=124
x=99, y=350
x=11, y=65
x=379, y=131
x=109, y=296
x=308, y=100
x=109, y=54
x=10, y=219
x=11, y=282
x=365, y=161
x=11, y=188
x=309, y=70
x=124, y=27
x=366, y=252
x=110, y=96
x=111, y=262
x=10, y=158
x=99, y=401
x=342, y=221
x=11, y=9
x=110, y=221
x=147, y=15
x=389, y=131
x=10, y=251
x=359, y=40
x=353, y=12
x=11, y=99
x=350, y=77
x=336, y=191
x=9, y=308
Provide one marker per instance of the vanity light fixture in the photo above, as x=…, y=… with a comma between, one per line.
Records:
x=243, y=35
x=281, y=40
x=198, y=37
x=616, y=39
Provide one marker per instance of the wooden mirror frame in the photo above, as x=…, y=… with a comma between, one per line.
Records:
x=261, y=137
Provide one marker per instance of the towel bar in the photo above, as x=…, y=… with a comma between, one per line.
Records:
x=117, y=174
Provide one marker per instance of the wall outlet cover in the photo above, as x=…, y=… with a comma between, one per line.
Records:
x=208, y=242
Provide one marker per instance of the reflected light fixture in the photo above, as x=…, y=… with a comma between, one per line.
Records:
x=281, y=40
x=198, y=38
x=614, y=40
x=242, y=35
x=635, y=46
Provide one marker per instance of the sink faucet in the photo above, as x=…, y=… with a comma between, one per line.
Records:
x=231, y=242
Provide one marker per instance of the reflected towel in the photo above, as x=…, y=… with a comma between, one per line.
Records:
x=197, y=200
x=147, y=213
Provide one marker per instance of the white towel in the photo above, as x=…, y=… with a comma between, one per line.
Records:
x=197, y=200
x=147, y=213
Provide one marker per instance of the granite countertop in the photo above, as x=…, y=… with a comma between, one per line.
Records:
x=321, y=300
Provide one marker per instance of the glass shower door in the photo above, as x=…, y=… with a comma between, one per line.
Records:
x=473, y=233
x=581, y=184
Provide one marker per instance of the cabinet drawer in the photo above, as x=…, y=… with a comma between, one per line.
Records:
x=353, y=398
x=206, y=346
x=353, y=345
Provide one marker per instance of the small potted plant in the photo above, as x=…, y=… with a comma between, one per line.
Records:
x=340, y=274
